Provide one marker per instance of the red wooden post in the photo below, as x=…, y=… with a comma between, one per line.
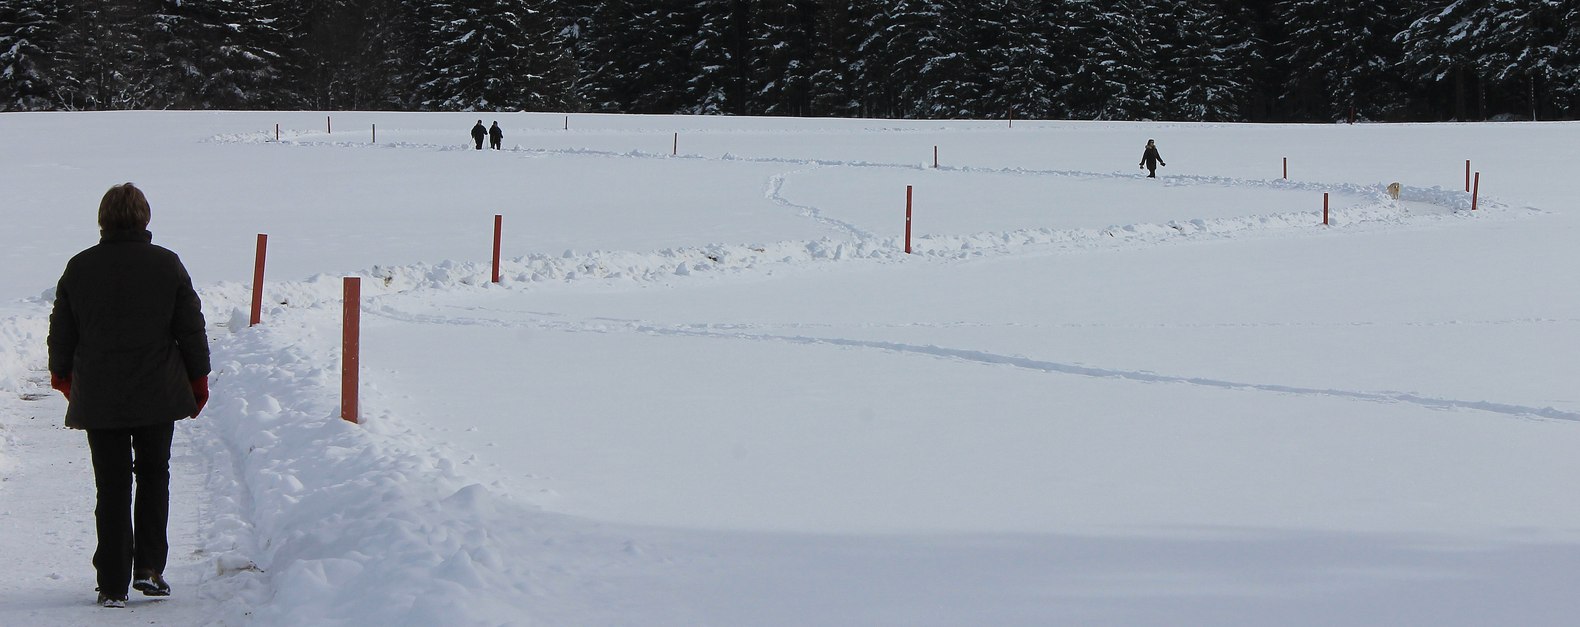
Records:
x=257, y=281
x=1475, y=192
x=1467, y=175
x=567, y=122
x=935, y=155
x=1286, y=168
x=498, y=223
x=375, y=133
x=328, y=127
x=907, y=219
x=1324, y=208
x=350, y=349
x=675, y=150
x=276, y=133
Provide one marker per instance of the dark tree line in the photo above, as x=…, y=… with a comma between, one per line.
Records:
x=1211, y=60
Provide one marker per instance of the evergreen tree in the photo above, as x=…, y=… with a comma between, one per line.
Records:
x=1566, y=71
x=1436, y=54
x=926, y=48
x=1024, y=67
x=890, y=63
x=1111, y=77
x=549, y=69
x=960, y=38
x=1519, y=47
x=715, y=78
x=838, y=69
x=1254, y=18
x=24, y=26
x=1204, y=62
x=635, y=55
x=478, y=56
x=665, y=34
x=351, y=54
x=217, y=54
x=97, y=56
x=593, y=28
x=1341, y=57
x=783, y=65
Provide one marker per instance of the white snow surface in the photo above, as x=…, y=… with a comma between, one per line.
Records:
x=710, y=388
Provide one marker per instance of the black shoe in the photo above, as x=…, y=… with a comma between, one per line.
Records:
x=151, y=585
x=106, y=600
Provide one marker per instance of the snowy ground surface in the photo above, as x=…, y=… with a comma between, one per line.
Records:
x=710, y=388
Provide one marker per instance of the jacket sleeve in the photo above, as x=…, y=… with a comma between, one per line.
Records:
x=187, y=327
x=62, y=331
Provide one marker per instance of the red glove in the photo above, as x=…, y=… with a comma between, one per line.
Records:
x=200, y=392
x=61, y=383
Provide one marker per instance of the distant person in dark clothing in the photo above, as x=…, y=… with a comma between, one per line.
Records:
x=478, y=133
x=495, y=135
x=1151, y=160
x=128, y=350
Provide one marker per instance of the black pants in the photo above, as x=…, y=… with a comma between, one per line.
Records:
x=118, y=456
x=479, y=141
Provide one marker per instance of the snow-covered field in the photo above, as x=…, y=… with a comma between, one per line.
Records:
x=711, y=389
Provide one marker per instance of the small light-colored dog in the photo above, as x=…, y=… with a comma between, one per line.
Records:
x=1393, y=191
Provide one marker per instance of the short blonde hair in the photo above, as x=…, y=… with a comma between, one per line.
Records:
x=124, y=208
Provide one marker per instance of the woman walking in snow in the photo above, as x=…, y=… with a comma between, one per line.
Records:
x=1150, y=159
x=128, y=350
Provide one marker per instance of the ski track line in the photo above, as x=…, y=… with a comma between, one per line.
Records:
x=748, y=326
x=987, y=358
x=1026, y=363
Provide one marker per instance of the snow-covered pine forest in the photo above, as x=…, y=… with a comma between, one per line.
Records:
x=1215, y=60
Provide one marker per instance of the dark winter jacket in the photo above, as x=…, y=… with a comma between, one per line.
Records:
x=128, y=329
x=1150, y=157
x=478, y=132
x=495, y=134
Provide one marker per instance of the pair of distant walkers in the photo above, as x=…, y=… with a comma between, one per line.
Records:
x=493, y=133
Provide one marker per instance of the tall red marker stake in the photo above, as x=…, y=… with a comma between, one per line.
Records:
x=349, y=349
x=1467, y=175
x=257, y=281
x=907, y=219
x=1475, y=192
x=498, y=225
x=1324, y=208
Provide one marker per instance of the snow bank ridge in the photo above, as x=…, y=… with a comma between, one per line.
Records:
x=336, y=523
